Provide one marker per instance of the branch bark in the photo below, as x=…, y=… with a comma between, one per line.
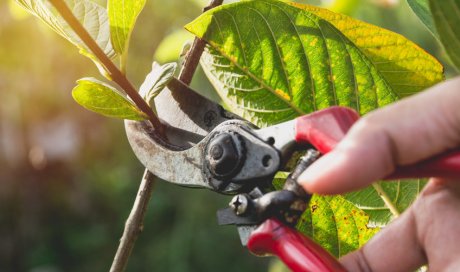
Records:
x=193, y=57
x=134, y=224
x=117, y=76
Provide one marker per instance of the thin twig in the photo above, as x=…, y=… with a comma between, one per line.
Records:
x=134, y=224
x=193, y=57
x=115, y=73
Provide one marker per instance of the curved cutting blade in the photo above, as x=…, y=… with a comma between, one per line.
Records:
x=189, y=118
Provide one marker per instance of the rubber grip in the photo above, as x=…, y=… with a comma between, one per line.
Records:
x=324, y=129
x=297, y=251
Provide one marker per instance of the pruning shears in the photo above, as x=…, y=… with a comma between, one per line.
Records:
x=208, y=147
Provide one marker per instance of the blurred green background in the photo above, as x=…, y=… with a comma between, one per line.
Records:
x=68, y=177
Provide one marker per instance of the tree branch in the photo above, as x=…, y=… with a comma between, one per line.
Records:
x=134, y=224
x=193, y=57
x=115, y=73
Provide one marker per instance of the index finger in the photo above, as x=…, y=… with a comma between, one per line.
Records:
x=403, y=133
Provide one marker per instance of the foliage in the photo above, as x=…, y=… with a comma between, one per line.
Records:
x=385, y=200
x=92, y=20
x=271, y=62
x=106, y=100
x=122, y=17
x=442, y=18
x=336, y=223
x=346, y=67
x=422, y=9
x=156, y=81
x=447, y=19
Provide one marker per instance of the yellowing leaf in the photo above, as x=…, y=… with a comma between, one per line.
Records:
x=338, y=225
x=101, y=98
x=405, y=66
x=317, y=57
x=332, y=221
x=282, y=94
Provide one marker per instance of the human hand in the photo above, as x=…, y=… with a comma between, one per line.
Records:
x=404, y=133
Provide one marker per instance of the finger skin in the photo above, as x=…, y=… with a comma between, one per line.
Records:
x=428, y=232
x=403, y=133
x=438, y=220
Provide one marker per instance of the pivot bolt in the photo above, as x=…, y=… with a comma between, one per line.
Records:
x=223, y=155
x=216, y=152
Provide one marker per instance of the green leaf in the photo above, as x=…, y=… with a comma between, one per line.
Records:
x=399, y=194
x=332, y=221
x=446, y=15
x=338, y=225
x=101, y=98
x=404, y=65
x=157, y=80
x=92, y=16
x=122, y=16
x=272, y=61
x=422, y=9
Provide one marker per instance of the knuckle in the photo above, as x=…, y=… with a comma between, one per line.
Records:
x=371, y=135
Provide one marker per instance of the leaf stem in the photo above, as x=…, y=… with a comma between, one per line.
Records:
x=386, y=199
x=115, y=73
x=134, y=224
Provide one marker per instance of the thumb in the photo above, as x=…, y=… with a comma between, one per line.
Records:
x=403, y=133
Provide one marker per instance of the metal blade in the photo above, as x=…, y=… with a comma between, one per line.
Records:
x=163, y=159
x=245, y=225
x=282, y=137
x=189, y=118
x=195, y=126
x=245, y=232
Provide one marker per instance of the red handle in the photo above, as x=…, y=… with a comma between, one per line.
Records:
x=297, y=251
x=325, y=128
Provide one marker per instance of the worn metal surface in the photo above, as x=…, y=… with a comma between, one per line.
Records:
x=281, y=137
x=189, y=118
x=163, y=160
x=188, y=167
x=260, y=163
x=192, y=122
x=249, y=210
x=195, y=126
x=188, y=115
